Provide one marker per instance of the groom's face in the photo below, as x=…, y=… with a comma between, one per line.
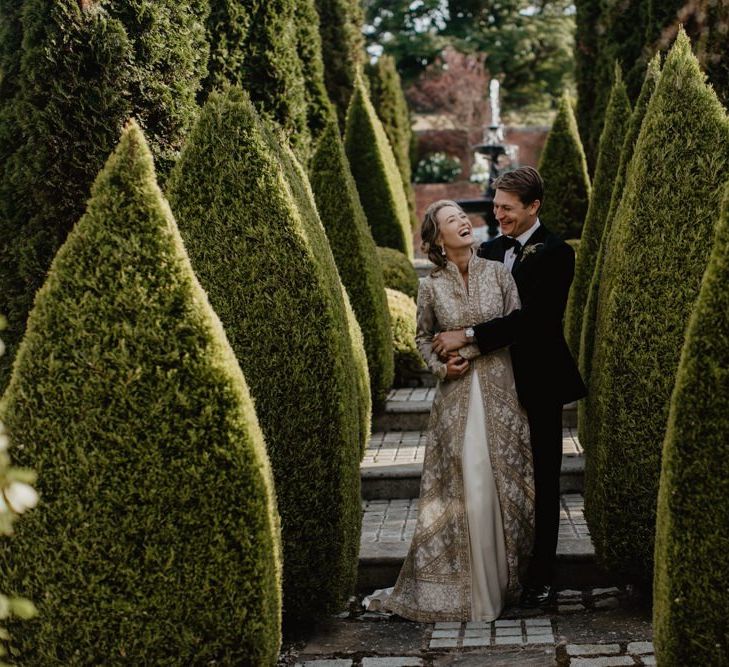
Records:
x=513, y=217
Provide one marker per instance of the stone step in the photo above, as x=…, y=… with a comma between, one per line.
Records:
x=408, y=409
x=388, y=527
x=393, y=463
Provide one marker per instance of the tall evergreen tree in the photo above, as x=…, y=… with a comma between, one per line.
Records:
x=564, y=169
x=691, y=584
x=608, y=162
x=320, y=109
x=84, y=68
x=282, y=304
x=587, y=18
x=157, y=539
x=585, y=407
x=375, y=172
x=254, y=46
x=355, y=253
x=655, y=276
x=341, y=24
x=391, y=106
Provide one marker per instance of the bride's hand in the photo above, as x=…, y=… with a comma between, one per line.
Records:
x=455, y=367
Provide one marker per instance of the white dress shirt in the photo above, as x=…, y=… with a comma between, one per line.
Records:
x=509, y=255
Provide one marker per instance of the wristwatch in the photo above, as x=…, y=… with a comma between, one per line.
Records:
x=470, y=333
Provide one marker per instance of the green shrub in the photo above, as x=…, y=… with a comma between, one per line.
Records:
x=437, y=168
x=691, y=584
x=341, y=23
x=585, y=408
x=655, y=274
x=403, y=314
x=575, y=244
x=355, y=253
x=279, y=298
x=156, y=541
x=587, y=18
x=608, y=162
x=319, y=109
x=564, y=170
x=84, y=68
x=254, y=46
x=399, y=272
x=389, y=101
x=375, y=172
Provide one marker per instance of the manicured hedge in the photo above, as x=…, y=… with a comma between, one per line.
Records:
x=399, y=272
x=236, y=196
x=655, y=274
x=254, y=46
x=389, y=102
x=355, y=253
x=617, y=116
x=585, y=408
x=403, y=314
x=84, y=68
x=564, y=170
x=157, y=539
x=319, y=109
x=343, y=49
x=691, y=585
x=375, y=172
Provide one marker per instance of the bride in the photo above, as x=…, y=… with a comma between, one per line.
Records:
x=475, y=521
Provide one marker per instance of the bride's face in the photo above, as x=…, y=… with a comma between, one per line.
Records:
x=455, y=230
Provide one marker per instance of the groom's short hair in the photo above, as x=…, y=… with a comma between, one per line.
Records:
x=525, y=182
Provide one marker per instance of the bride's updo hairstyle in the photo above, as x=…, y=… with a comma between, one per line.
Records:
x=429, y=232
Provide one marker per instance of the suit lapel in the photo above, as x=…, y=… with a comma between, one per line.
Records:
x=538, y=236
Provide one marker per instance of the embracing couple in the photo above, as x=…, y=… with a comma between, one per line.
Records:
x=490, y=329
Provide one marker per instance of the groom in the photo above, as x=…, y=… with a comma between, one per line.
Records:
x=545, y=373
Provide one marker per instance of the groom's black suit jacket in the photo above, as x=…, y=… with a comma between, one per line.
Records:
x=544, y=370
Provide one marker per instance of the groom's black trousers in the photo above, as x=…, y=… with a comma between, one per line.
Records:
x=545, y=426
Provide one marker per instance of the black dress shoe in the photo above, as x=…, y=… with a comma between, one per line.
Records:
x=542, y=595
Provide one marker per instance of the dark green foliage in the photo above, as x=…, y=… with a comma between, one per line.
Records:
x=691, y=584
x=271, y=278
x=608, y=162
x=82, y=73
x=340, y=24
x=156, y=540
x=11, y=37
x=654, y=274
x=399, y=272
x=391, y=106
x=254, y=46
x=375, y=172
x=355, y=253
x=320, y=110
x=574, y=244
x=585, y=407
x=403, y=313
x=564, y=170
x=713, y=46
x=587, y=18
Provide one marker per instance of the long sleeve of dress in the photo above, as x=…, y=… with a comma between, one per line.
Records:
x=426, y=329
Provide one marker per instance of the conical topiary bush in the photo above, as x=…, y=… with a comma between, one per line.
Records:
x=84, y=68
x=655, y=272
x=403, y=316
x=691, y=584
x=585, y=421
x=254, y=46
x=343, y=49
x=564, y=170
x=389, y=102
x=287, y=324
x=375, y=172
x=355, y=253
x=319, y=109
x=156, y=540
x=617, y=116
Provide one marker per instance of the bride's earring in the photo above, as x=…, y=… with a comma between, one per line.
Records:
x=442, y=251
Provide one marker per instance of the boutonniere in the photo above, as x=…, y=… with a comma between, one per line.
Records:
x=531, y=250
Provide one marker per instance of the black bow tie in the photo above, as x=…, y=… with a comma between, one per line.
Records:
x=510, y=242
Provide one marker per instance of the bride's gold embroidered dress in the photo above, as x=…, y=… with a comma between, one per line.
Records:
x=436, y=582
